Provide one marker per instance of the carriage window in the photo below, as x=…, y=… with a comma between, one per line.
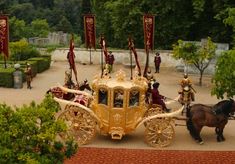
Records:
x=103, y=96
x=134, y=98
x=118, y=98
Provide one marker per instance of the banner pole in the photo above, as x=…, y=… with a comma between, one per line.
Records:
x=5, y=62
x=102, y=62
x=90, y=54
x=131, y=63
x=147, y=61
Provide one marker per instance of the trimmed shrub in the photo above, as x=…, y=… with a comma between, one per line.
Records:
x=43, y=63
x=6, y=79
x=38, y=65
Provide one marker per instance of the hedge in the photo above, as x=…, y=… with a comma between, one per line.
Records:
x=38, y=65
x=6, y=79
x=43, y=63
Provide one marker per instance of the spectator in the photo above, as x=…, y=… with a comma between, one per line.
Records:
x=110, y=61
x=157, y=61
x=29, y=75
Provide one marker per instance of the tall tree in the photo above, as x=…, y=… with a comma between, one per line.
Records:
x=199, y=56
x=230, y=20
x=24, y=11
x=64, y=25
x=17, y=29
x=39, y=28
x=224, y=77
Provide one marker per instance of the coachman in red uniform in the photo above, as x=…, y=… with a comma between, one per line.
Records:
x=157, y=98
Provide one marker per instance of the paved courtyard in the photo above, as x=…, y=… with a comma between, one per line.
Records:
x=169, y=85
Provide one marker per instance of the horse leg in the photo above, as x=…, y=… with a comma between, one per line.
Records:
x=191, y=128
x=220, y=136
x=216, y=130
x=199, y=139
x=194, y=130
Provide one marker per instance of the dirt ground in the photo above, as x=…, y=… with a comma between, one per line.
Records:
x=169, y=85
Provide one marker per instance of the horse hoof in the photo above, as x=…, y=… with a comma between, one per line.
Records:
x=201, y=143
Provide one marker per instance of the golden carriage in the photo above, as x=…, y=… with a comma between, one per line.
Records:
x=116, y=107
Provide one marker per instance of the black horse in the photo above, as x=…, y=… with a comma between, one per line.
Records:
x=212, y=116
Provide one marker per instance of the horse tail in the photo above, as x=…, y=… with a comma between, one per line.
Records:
x=191, y=127
x=188, y=108
x=189, y=124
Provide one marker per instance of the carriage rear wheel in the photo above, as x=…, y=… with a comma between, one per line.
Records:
x=159, y=133
x=81, y=125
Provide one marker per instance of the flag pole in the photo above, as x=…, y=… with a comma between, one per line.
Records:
x=90, y=54
x=147, y=60
x=101, y=50
x=5, y=62
x=102, y=68
x=131, y=64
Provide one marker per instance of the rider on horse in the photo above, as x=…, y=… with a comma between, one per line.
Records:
x=186, y=82
x=68, y=82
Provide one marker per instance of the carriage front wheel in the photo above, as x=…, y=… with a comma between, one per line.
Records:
x=81, y=125
x=153, y=110
x=159, y=133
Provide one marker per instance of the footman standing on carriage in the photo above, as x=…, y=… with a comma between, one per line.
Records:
x=68, y=82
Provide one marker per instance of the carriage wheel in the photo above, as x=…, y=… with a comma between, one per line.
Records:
x=159, y=132
x=152, y=111
x=81, y=125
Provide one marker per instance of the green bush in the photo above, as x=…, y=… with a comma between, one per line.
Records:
x=28, y=134
x=48, y=58
x=6, y=79
x=43, y=63
x=22, y=50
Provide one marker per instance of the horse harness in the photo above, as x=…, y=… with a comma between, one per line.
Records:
x=217, y=112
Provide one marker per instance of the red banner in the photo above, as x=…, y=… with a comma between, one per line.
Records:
x=89, y=26
x=4, y=35
x=149, y=22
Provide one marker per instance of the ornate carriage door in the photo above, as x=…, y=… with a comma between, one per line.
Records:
x=117, y=111
x=103, y=105
x=134, y=109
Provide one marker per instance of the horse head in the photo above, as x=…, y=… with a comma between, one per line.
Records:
x=85, y=85
x=233, y=106
x=226, y=107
